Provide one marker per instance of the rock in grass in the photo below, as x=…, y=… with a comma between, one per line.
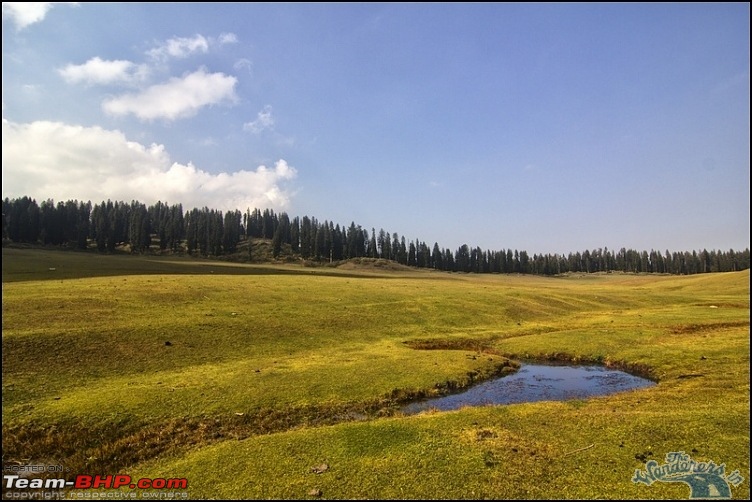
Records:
x=320, y=469
x=315, y=492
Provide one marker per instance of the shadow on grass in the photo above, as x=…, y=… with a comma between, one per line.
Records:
x=39, y=264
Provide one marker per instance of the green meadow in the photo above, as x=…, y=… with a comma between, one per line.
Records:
x=284, y=381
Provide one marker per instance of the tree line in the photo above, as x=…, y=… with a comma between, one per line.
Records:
x=208, y=232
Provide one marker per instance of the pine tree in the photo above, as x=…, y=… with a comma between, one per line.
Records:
x=306, y=234
x=295, y=235
x=372, y=246
x=437, y=260
x=83, y=224
x=277, y=242
x=411, y=260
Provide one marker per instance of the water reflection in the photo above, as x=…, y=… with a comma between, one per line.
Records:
x=537, y=382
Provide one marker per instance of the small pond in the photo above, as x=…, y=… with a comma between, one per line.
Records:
x=537, y=382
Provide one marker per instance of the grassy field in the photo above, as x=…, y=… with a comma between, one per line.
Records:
x=241, y=378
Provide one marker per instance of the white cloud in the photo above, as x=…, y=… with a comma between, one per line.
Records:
x=180, y=48
x=244, y=63
x=22, y=14
x=209, y=141
x=264, y=120
x=60, y=161
x=228, y=38
x=99, y=71
x=31, y=88
x=178, y=98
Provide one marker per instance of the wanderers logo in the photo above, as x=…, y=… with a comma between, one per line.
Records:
x=706, y=480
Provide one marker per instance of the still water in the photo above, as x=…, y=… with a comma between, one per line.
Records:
x=537, y=382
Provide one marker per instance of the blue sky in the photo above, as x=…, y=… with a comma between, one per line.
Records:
x=551, y=128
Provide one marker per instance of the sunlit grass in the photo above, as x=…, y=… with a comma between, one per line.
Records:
x=112, y=365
